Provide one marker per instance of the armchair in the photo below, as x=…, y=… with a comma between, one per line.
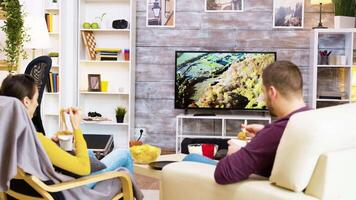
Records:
x=22, y=157
x=315, y=160
x=44, y=189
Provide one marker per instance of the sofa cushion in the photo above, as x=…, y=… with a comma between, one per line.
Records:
x=308, y=135
x=191, y=180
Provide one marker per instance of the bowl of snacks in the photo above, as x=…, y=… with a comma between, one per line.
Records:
x=144, y=154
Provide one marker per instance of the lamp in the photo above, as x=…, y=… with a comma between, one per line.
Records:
x=320, y=2
x=156, y=8
x=38, y=34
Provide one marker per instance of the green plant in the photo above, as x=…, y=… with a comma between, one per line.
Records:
x=101, y=17
x=120, y=111
x=15, y=33
x=345, y=7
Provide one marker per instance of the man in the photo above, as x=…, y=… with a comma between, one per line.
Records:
x=283, y=91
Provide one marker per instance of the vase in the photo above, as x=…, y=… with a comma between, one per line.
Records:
x=344, y=22
x=119, y=119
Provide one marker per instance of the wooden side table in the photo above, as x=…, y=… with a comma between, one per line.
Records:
x=146, y=170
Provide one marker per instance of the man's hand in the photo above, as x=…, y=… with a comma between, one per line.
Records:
x=252, y=129
x=233, y=147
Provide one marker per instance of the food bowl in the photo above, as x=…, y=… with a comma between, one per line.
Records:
x=144, y=154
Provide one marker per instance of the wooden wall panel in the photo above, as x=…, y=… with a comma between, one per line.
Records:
x=195, y=29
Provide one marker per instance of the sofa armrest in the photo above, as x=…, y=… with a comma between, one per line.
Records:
x=192, y=180
x=334, y=176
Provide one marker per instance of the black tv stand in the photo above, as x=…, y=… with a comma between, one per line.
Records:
x=204, y=114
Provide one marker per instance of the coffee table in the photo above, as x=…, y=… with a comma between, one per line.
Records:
x=146, y=170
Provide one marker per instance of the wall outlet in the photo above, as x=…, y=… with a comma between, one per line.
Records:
x=137, y=133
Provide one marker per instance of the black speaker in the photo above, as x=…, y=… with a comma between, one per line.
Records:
x=120, y=24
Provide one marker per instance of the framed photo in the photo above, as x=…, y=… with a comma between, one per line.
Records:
x=224, y=5
x=288, y=13
x=94, y=82
x=161, y=13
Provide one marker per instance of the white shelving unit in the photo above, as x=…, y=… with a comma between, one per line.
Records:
x=51, y=101
x=333, y=83
x=120, y=74
x=227, y=126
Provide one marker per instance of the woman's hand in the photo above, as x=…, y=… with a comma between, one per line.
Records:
x=75, y=116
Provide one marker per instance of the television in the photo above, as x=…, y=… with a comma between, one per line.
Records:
x=220, y=79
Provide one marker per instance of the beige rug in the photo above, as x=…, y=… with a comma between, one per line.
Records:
x=151, y=194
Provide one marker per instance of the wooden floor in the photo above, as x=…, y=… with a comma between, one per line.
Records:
x=148, y=183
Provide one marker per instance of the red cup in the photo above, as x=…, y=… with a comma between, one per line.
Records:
x=208, y=150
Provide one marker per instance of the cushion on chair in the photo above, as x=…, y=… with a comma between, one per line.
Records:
x=95, y=164
x=306, y=137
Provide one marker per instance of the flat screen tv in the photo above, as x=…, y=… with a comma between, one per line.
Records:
x=220, y=80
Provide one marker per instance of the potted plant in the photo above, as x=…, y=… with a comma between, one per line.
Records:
x=100, y=18
x=344, y=13
x=15, y=33
x=120, y=114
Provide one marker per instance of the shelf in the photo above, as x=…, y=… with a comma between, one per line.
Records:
x=335, y=31
x=346, y=66
x=334, y=100
x=103, y=93
x=226, y=117
x=98, y=61
x=51, y=9
x=205, y=136
x=110, y=123
x=53, y=33
x=52, y=93
x=52, y=114
x=106, y=30
x=101, y=1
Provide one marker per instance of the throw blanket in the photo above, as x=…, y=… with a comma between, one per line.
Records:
x=20, y=147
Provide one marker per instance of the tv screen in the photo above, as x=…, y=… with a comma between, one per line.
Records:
x=220, y=80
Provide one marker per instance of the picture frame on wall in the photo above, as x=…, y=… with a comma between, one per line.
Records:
x=160, y=13
x=224, y=5
x=94, y=82
x=288, y=13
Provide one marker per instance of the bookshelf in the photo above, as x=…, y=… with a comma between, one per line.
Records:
x=118, y=72
x=333, y=82
x=51, y=102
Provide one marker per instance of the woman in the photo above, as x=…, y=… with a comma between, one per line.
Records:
x=24, y=88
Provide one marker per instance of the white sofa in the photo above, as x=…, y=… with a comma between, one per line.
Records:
x=316, y=159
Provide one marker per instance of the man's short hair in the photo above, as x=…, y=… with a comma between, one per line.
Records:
x=285, y=77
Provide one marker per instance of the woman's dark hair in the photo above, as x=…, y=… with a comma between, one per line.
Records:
x=18, y=86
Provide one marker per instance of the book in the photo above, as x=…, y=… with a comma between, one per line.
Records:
x=108, y=49
x=57, y=83
x=108, y=58
x=55, y=23
x=54, y=79
x=48, y=84
x=108, y=53
x=51, y=81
